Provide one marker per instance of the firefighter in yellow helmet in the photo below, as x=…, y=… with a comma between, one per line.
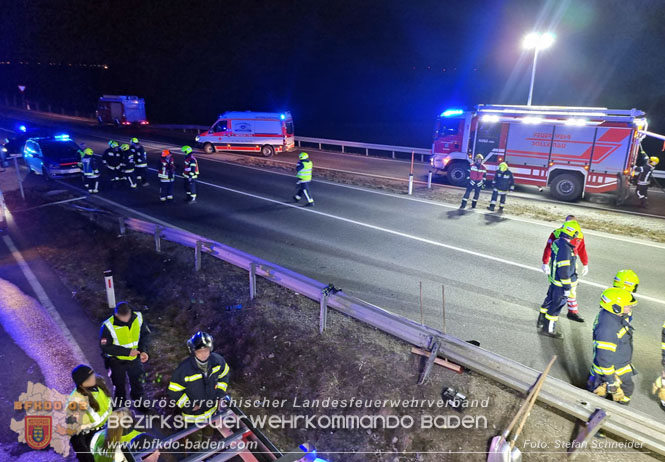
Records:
x=561, y=277
x=304, y=175
x=612, y=372
x=644, y=174
x=503, y=182
x=626, y=279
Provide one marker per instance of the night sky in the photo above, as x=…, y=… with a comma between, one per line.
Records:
x=363, y=69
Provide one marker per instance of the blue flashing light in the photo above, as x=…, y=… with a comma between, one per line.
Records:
x=282, y=116
x=452, y=112
x=22, y=128
x=63, y=137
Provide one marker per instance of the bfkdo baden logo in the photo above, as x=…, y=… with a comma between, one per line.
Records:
x=38, y=431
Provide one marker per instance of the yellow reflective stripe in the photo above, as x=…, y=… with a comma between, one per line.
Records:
x=556, y=283
x=566, y=281
x=216, y=368
x=199, y=417
x=551, y=318
x=224, y=372
x=604, y=370
x=606, y=345
x=624, y=370
x=563, y=263
x=664, y=325
x=622, y=332
x=183, y=399
x=222, y=385
x=662, y=345
x=543, y=310
x=175, y=387
x=191, y=378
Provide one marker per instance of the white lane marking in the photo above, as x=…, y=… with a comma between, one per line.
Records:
x=44, y=299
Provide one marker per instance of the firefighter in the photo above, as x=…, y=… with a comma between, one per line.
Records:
x=304, y=175
x=200, y=381
x=90, y=169
x=140, y=161
x=562, y=272
x=166, y=176
x=114, y=443
x=476, y=181
x=88, y=409
x=112, y=158
x=127, y=165
x=502, y=182
x=612, y=372
x=124, y=342
x=579, y=249
x=644, y=174
x=191, y=173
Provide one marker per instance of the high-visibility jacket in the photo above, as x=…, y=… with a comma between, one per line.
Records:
x=579, y=247
x=127, y=336
x=97, y=445
x=644, y=173
x=477, y=174
x=562, y=264
x=503, y=181
x=167, y=170
x=90, y=419
x=127, y=163
x=304, y=171
x=612, y=346
x=191, y=170
x=90, y=166
x=112, y=157
x=189, y=387
x=140, y=156
x=662, y=344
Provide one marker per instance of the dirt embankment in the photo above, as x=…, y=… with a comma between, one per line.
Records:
x=275, y=351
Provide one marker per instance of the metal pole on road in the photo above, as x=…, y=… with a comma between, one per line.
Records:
x=411, y=174
x=18, y=175
x=533, y=76
x=110, y=289
x=429, y=180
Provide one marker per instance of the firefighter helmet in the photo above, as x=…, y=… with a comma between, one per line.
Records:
x=88, y=152
x=124, y=147
x=198, y=341
x=113, y=144
x=503, y=167
x=617, y=300
x=479, y=157
x=303, y=156
x=571, y=229
x=134, y=141
x=166, y=153
x=654, y=161
x=627, y=280
x=187, y=149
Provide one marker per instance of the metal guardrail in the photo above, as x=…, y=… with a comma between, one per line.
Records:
x=325, y=144
x=622, y=422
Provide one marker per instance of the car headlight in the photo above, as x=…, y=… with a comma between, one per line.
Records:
x=196, y=138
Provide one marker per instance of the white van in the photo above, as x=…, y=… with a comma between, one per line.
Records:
x=264, y=132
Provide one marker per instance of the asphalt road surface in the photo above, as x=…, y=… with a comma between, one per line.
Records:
x=380, y=246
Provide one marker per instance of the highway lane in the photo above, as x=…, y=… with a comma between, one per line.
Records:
x=379, y=247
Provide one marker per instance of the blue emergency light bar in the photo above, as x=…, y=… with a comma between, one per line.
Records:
x=282, y=116
x=452, y=112
x=22, y=128
x=63, y=137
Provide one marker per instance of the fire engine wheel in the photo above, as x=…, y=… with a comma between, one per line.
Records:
x=267, y=151
x=566, y=187
x=457, y=174
x=209, y=148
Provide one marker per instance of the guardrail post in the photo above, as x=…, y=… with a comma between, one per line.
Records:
x=323, y=317
x=197, y=256
x=422, y=158
x=342, y=149
x=110, y=288
x=320, y=147
x=429, y=363
x=121, y=224
x=158, y=240
x=366, y=151
x=252, y=281
x=429, y=180
x=410, y=183
x=393, y=152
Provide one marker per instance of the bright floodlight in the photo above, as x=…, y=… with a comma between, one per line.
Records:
x=538, y=41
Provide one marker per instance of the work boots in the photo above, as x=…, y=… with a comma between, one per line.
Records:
x=463, y=204
x=574, y=316
x=541, y=320
x=490, y=207
x=549, y=329
x=473, y=204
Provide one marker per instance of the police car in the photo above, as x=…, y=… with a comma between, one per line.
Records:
x=54, y=156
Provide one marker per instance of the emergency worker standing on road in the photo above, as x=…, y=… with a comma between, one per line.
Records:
x=612, y=372
x=503, y=182
x=166, y=176
x=191, y=173
x=304, y=175
x=140, y=161
x=644, y=174
x=90, y=169
x=112, y=158
x=476, y=181
x=579, y=249
x=127, y=165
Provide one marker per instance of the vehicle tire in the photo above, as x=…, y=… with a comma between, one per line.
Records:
x=209, y=148
x=45, y=174
x=457, y=173
x=267, y=151
x=566, y=187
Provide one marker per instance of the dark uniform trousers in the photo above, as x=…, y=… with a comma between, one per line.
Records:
x=120, y=371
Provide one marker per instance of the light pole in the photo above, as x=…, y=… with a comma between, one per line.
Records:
x=538, y=42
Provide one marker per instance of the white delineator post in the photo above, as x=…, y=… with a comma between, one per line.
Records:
x=411, y=174
x=110, y=288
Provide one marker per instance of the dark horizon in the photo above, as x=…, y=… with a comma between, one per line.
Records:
x=378, y=72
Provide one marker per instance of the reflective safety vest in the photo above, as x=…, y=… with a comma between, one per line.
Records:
x=125, y=336
x=91, y=418
x=97, y=444
x=562, y=264
x=305, y=173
